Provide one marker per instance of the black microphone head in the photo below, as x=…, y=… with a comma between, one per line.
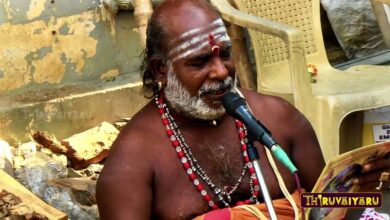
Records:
x=231, y=101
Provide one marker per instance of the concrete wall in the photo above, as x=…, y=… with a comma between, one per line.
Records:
x=44, y=43
x=61, y=51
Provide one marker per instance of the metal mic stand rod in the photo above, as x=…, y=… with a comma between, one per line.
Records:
x=255, y=159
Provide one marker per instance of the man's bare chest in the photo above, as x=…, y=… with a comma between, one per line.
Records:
x=224, y=164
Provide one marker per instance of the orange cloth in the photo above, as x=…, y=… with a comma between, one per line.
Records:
x=282, y=208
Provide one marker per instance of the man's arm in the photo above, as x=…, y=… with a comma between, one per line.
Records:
x=124, y=188
x=306, y=151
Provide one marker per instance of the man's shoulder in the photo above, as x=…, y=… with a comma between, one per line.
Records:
x=262, y=101
x=272, y=109
x=144, y=119
x=139, y=129
x=129, y=155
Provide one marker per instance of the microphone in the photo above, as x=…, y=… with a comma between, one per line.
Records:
x=237, y=107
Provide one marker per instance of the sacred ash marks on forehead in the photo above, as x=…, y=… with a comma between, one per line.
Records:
x=197, y=39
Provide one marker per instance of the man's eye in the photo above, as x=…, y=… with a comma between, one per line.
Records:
x=225, y=54
x=197, y=63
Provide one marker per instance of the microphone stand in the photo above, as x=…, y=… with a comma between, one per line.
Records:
x=255, y=159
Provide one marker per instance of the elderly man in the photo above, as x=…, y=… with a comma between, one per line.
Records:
x=181, y=155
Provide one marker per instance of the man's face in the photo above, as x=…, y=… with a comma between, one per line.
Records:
x=200, y=63
x=194, y=106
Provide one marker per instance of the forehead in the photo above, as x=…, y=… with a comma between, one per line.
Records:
x=186, y=16
x=191, y=29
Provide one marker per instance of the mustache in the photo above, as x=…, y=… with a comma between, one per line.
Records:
x=226, y=84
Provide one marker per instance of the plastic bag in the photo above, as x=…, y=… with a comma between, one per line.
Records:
x=6, y=158
x=355, y=26
x=35, y=173
x=62, y=199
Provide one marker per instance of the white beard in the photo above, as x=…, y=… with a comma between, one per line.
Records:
x=194, y=107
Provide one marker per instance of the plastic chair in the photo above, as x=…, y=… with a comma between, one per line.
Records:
x=378, y=7
x=285, y=39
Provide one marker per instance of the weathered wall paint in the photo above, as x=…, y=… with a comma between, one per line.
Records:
x=66, y=117
x=109, y=75
x=59, y=60
x=48, y=69
x=42, y=44
x=7, y=10
x=25, y=40
x=36, y=8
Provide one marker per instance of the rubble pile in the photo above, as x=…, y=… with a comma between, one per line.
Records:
x=12, y=207
x=62, y=173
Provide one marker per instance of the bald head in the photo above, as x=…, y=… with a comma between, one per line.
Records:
x=167, y=28
x=169, y=6
x=181, y=16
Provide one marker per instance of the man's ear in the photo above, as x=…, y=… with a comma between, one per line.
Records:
x=159, y=69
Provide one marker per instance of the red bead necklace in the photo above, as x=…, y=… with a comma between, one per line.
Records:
x=193, y=169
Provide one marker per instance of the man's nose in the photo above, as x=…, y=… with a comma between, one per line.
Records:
x=218, y=69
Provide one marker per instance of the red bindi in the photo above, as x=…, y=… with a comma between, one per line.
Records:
x=213, y=44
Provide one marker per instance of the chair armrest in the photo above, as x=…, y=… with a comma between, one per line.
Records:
x=382, y=18
x=294, y=42
x=384, y=1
